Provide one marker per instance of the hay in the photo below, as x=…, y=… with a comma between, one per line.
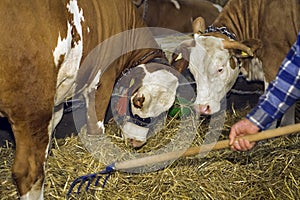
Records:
x=270, y=171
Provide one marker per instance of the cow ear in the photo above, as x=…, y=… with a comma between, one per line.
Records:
x=198, y=26
x=253, y=44
x=180, y=57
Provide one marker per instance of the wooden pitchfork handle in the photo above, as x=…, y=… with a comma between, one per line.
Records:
x=139, y=162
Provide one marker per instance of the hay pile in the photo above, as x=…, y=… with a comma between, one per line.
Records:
x=270, y=171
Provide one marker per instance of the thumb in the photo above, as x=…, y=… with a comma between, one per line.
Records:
x=232, y=136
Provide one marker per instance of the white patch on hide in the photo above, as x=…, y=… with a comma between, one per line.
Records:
x=56, y=117
x=72, y=56
x=133, y=131
x=220, y=8
x=159, y=89
x=94, y=84
x=100, y=124
x=176, y=4
x=91, y=87
x=34, y=194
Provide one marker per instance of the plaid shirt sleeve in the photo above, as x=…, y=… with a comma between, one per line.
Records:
x=281, y=92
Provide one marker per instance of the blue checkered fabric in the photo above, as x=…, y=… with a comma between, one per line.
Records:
x=281, y=92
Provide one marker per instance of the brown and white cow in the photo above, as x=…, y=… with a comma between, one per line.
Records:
x=251, y=37
x=45, y=49
x=176, y=14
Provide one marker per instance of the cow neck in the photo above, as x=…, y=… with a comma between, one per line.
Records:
x=156, y=56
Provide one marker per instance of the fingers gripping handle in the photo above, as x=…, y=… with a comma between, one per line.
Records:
x=272, y=133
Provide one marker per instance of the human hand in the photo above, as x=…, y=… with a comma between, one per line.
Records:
x=241, y=128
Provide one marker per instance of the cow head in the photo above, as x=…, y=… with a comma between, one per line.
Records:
x=149, y=90
x=214, y=60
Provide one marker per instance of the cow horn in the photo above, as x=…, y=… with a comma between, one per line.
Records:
x=237, y=45
x=199, y=25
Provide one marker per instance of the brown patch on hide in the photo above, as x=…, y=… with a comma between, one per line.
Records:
x=254, y=44
x=75, y=35
x=232, y=63
x=163, y=13
x=180, y=57
x=60, y=60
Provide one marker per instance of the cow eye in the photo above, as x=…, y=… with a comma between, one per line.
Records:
x=220, y=69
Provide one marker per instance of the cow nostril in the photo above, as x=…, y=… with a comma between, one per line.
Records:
x=206, y=109
x=136, y=144
x=203, y=109
x=138, y=101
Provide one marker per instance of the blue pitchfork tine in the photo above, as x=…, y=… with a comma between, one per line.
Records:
x=192, y=151
x=89, y=178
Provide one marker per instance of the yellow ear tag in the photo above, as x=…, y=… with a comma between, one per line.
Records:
x=131, y=83
x=178, y=57
x=244, y=53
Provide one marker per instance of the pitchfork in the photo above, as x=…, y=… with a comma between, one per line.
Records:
x=139, y=162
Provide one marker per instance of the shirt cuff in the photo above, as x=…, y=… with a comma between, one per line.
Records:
x=260, y=118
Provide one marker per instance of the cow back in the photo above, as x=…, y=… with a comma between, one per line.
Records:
x=275, y=23
x=108, y=31
x=164, y=13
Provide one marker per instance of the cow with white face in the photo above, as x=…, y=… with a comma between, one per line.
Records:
x=215, y=70
x=214, y=61
x=247, y=37
x=141, y=98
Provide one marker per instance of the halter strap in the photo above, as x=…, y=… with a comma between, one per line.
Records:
x=222, y=30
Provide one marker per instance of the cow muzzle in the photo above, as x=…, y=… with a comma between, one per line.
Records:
x=135, y=143
x=203, y=109
x=136, y=135
x=208, y=108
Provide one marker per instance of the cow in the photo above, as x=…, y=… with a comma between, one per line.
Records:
x=45, y=59
x=176, y=14
x=248, y=37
